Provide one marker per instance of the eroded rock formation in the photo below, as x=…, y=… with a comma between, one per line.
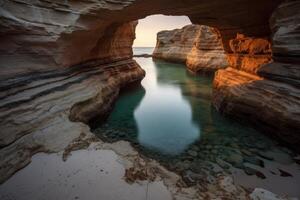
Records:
x=66, y=60
x=51, y=81
x=262, y=87
x=199, y=47
x=174, y=45
x=37, y=109
x=38, y=35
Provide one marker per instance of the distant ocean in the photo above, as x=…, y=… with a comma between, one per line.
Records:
x=142, y=50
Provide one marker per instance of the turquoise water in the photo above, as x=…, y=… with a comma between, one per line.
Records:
x=169, y=117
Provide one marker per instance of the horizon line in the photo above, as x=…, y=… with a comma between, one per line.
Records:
x=143, y=46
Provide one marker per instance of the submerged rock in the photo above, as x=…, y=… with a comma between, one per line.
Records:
x=260, y=174
x=284, y=173
x=235, y=159
x=192, y=153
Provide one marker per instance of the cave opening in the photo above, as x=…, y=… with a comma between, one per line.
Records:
x=147, y=28
x=169, y=116
x=65, y=62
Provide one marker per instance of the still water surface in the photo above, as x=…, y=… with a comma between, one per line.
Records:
x=169, y=117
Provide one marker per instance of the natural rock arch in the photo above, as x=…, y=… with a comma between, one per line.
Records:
x=61, y=28
x=41, y=40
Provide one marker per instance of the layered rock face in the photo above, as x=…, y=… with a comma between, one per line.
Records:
x=59, y=66
x=54, y=30
x=285, y=45
x=64, y=61
x=176, y=44
x=207, y=53
x=261, y=87
x=199, y=47
x=43, y=35
x=39, y=110
x=249, y=54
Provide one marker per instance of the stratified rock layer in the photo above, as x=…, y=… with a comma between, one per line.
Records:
x=37, y=109
x=174, y=45
x=63, y=33
x=261, y=87
x=271, y=105
x=249, y=54
x=199, y=47
x=207, y=53
x=285, y=45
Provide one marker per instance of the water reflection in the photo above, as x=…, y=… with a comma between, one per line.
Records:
x=169, y=117
x=121, y=124
x=164, y=117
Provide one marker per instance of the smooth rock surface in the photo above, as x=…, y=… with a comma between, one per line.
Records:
x=87, y=174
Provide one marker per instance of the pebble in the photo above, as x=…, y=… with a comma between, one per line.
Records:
x=249, y=171
x=192, y=153
x=222, y=163
x=246, y=152
x=254, y=161
x=260, y=175
x=195, y=148
x=235, y=159
x=183, y=165
x=284, y=173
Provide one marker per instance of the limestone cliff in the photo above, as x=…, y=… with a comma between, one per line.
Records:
x=199, y=47
x=174, y=45
x=59, y=65
x=261, y=87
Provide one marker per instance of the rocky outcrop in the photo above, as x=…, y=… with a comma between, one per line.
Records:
x=59, y=65
x=261, y=87
x=207, y=53
x=39, y=110
x=271, y=106
x=249, y=54
x=199, y=47
x=176, y=44
x=285, y=45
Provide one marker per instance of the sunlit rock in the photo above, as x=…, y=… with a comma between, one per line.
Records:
x=200, y=47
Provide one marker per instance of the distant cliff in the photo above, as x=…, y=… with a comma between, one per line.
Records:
x=199, y=47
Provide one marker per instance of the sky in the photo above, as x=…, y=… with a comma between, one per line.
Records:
x=148, y=27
